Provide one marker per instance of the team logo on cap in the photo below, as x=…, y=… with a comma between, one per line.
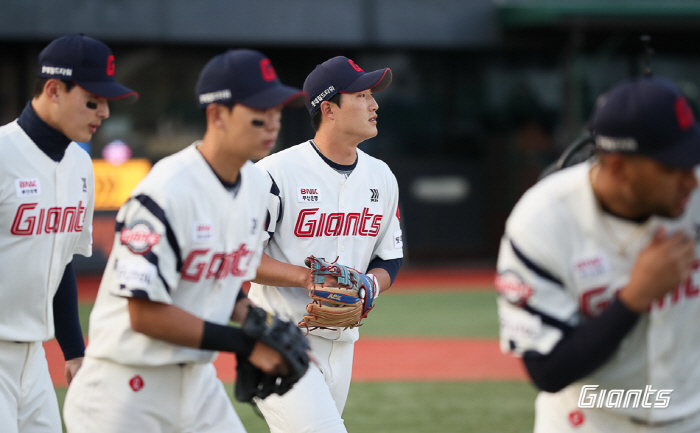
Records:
x=683, y=113
x=110, y=66
x=354, y=66
x=140, y=237
x=268, y=72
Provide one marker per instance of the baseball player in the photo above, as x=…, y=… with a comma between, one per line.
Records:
x=598, y=275
x=46, y=203
x=331, y=200
x=186, y=239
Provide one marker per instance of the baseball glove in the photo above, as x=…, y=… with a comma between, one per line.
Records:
x=283, y=337
x=343, y=306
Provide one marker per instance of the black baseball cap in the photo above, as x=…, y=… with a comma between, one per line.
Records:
x=341, y=75
x=648, y=116
x=85, y=61
x=244, y=77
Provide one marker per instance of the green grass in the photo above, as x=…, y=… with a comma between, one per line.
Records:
x=439, y=314
x=423, y=407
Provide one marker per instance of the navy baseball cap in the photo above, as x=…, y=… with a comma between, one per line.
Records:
x=244, y=77
x=85, y=61
x=341, y=75
x=648, y=116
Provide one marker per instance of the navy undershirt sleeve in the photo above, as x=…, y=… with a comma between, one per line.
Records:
x=583, y=350
x=391, y=266
x=66, y=320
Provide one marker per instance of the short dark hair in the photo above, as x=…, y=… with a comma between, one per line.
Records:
x=39, y=84
x=317, y=116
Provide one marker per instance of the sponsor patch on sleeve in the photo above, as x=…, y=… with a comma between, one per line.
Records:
x=398, y=239
x=136, y=274
x=518, y=325
x=309, y=195
x=512, y=288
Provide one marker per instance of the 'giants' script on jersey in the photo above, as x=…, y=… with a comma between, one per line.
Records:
x=311, y=223
x=31, y=221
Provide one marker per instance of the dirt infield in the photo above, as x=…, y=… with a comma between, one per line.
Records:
x=387, y=359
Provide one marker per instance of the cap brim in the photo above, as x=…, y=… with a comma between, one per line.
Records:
x=684, y=154
x=275, y=96
x=110, y=90
x=375, y=80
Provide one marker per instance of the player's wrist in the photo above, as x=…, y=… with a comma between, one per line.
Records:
x=375, y=281
x=225, y=338
x=633, y=301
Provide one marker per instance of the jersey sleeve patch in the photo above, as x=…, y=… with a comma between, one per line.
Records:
x=512, y=288
x=139, y=237
x=133, y=274
x=398, y=239
x=522, y=331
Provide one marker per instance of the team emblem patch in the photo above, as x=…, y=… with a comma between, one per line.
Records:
x=136, y=383
x=27, y=187
x=576, y=418
x=512, y=287
x=140, y=237
x=309, y=195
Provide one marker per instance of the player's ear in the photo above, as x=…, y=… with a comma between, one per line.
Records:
x=327, y=109
x=213, y=113
x=52, y=87
x=618, y=165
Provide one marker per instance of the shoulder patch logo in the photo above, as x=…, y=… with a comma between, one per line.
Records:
x=375, y=195
x=27, y=187
x=140, y=237
x=84, y=184
x=513, y=289
x=309, y=195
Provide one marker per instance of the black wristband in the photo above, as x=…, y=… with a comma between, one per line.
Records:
x=241, y=295
x=226, y=339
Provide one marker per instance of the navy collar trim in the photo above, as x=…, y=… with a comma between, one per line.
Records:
x=52, y=142
x=334, y=166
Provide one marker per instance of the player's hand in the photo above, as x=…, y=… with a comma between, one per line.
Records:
x=268, y=360
x=240, y=310
x=660, y=268
x=72, y=367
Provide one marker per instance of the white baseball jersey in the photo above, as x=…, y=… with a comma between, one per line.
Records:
x=181, y=239
x=321, y=212
x=561, y=261
x=47, y=210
